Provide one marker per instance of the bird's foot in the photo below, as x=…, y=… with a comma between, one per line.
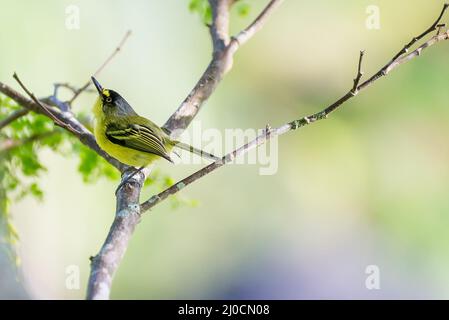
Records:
x=126, y=179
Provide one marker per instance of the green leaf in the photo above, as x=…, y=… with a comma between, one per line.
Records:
x=203, y=9
x=207, y=15
x=92, y=166
x=243, y=9
x=36, y=191
x=27, y=160
x=194, y=5
x=88, y=163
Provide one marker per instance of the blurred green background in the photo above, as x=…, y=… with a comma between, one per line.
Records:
x=369, y=186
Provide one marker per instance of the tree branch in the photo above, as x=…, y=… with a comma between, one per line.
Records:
x=64, y=106
x=359, y=75
x=106, y=262
x=128, y=194
x=46, y=110
x=221, y=63
x=257, y=24
x=388, y=67
x=296, y=124
x=125, y=220
x=10, y=144
x=219, y=30
x=13, y=117
x=80, y=131
x=103, y=65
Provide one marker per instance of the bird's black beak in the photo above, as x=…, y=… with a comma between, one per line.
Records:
x=98, y=86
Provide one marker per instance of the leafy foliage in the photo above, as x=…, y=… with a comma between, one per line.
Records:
x=21, y=168
x=203, y=9
x=91, y=165
x=243, y=8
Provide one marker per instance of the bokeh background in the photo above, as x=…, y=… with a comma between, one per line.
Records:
x=369, y=186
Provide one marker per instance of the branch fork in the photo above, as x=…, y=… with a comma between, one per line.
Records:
x=359, y=74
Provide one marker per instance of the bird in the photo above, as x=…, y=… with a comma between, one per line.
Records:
x=133, y=140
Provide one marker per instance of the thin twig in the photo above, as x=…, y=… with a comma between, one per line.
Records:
x=81, y=132
x=258, y=23
x=45, y=110
x=11, y=144
x=105, y=63
x=432, y=28
x=53, y=99
x=440, y=27
x=66, y=85
x=359, y=73
x=384, y=71
x=13, y=117
x=268, y=134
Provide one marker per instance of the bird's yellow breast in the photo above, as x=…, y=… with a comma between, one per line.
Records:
x=125, y=155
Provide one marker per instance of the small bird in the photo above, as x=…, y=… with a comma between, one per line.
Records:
x=130, y=138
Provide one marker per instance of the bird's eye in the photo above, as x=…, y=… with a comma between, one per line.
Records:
x=108, y=99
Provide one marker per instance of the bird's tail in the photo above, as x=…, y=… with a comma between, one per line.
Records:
x=198, y=152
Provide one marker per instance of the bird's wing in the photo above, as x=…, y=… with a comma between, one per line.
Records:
x=138, y=137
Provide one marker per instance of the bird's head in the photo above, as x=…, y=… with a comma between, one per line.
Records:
x=111, y=102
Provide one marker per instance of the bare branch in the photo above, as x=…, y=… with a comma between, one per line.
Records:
x=387, y=68
x=219, y=29
x=106, y=262
x=270, y=133
x=204, y=88
x=432, y=28
x=46, y=110
x=80, y=131
x=11, y=144
x=359, y=73
x=13, y=117
x=126, y=215
x=440, y=27
x=104, y=64
x=257, y=24
x=221, y=63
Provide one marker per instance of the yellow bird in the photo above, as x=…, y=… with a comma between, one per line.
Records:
x=130, y=138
